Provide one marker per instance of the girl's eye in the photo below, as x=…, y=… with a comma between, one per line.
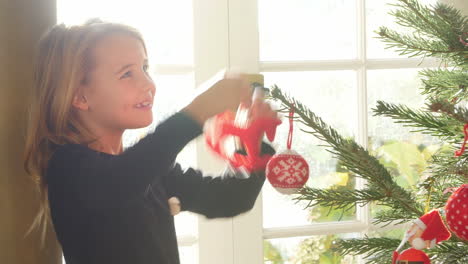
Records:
x=145, y=68
x=126, y=75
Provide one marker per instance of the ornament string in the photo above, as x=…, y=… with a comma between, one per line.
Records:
x=458, y=153
x=291, y=127
x=450, y=189
x=428, y=201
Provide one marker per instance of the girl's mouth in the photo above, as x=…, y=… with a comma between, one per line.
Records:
x=144, y=105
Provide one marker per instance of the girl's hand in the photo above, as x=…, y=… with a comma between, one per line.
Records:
x=261, y=109
x=226, y=94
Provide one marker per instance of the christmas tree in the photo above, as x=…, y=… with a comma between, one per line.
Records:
x=441, y=32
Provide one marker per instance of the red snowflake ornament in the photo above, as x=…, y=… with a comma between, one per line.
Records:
x=456, y=211
x=287, y=172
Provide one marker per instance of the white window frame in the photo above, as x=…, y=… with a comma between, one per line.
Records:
x=226, y=36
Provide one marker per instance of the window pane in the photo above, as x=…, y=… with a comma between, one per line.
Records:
x=307, y=30
x=188, y=255
x=376, y=16
x=405, y=154
x=173, y=91
x=165, y=25
x=311, y=250
x=332, y=96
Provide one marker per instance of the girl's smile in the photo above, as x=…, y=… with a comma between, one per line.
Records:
x=146, y=105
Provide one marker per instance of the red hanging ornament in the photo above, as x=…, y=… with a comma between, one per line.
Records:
x=456, y=211
x=410, y=255
x=288, y=171
x=458, y=153
x=222, y=128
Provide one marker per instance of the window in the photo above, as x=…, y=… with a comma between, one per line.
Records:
x=325, y=54
x=322, y=52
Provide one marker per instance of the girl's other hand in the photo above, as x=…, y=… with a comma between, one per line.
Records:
x=226, y=94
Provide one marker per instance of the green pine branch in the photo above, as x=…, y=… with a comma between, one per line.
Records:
x=413, y=45
x=353, y=156
x=459, y=113
x=374, y=250
x=436, y=32
x=449, y=252
x=393, y=216
x=338, y=198
x=434, y=191
x=423, y=19
x=439, y=126
x=446, y=171
x=380, y=250
x=417, y=18
x=445, y=84
x=456, y=22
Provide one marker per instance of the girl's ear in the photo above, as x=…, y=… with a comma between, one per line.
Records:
x=80, y=102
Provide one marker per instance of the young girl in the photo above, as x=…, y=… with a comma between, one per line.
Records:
x=110, y=205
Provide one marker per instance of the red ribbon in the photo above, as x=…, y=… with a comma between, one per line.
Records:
x=290, y=134
x=450, y=189
x=462, y=41
x=458, y=153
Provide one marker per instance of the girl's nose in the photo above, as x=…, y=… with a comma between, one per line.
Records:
x=148, y=85
x=151, y=89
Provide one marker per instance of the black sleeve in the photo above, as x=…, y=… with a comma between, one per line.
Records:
x=227, y=195
x=104, y=181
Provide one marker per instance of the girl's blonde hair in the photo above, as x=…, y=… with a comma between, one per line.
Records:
x=64, y=61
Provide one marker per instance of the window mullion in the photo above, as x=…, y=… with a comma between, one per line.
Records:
x=362, y=212
x=244, y=56
x=353, y=64
x=210, y=30
x=315, y=229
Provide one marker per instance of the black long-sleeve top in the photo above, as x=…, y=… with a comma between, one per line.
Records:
x=111, y=209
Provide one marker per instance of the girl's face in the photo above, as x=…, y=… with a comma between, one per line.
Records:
x=119, y=92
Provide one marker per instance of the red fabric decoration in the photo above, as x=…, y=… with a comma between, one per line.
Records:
x=410, y=255
x=223, y=127
x=456, y=211
x=288, y=171
x=458, y=153
x=426, y=232
x=433, y=226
